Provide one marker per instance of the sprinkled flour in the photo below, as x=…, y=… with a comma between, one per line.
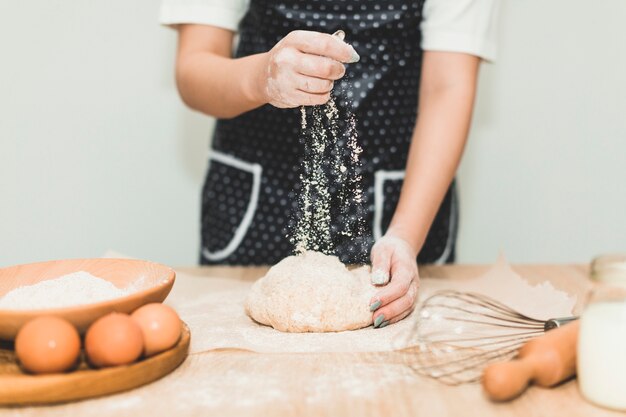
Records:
x=69, y=290
x=330, y=177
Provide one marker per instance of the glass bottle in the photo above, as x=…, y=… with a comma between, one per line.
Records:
x=602, y=339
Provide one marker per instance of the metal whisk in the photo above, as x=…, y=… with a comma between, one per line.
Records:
x=458, y=334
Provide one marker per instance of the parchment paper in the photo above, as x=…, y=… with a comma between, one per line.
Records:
x=217, y=318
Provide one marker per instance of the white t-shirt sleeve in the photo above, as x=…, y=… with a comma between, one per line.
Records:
x=220, y=13
x=468, y=26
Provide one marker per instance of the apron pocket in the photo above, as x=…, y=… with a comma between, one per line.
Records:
x=439, y=244
x=229, y=201
x=387, y=186
x=441, y=239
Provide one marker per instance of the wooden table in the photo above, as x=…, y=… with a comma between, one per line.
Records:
x=255, y=384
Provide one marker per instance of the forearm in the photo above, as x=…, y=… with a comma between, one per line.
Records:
x=439, y=138
x=219, y=86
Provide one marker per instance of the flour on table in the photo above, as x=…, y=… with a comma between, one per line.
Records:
x=69, y=290
x=312, y=292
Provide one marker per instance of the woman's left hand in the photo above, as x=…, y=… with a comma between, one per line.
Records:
x=394, y=267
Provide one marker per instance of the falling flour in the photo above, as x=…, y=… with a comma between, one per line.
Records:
x=330, y=175
x=69, y=290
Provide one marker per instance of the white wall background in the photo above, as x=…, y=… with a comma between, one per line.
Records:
x=97, y=151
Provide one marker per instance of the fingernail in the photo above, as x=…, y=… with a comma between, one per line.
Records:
x=379, y=277
x=340, y=34
x=374, y=306
x=383, y=324
x=354, y=56
x=378, y=320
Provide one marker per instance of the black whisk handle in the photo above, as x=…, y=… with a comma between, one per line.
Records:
x=554, y=323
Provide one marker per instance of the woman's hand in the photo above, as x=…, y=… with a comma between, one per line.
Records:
x=394, y=265
x=302, y=67
x=298, y=70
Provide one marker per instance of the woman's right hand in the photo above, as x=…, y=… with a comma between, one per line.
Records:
x=301, y=69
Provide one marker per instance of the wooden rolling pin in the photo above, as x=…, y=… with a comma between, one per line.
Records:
x=545, y=361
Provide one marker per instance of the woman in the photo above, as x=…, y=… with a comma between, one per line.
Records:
x=401, y=53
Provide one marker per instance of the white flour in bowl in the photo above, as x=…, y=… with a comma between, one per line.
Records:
x=73, y=289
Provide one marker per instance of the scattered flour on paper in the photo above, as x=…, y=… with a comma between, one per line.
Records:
x=73, y=289
x=217, y=317
x=217, y=320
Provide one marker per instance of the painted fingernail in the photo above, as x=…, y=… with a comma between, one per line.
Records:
x=354, y=56
x=374, y=306
x=378, y=320
x=383, y=324
x=380, y=277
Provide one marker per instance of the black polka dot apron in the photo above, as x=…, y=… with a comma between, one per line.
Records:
x=250, y=192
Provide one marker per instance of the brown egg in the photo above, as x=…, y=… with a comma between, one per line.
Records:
x=112, y=340
x=160, y=326
x=47, y=344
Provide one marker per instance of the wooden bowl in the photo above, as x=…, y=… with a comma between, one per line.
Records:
x=150, y=282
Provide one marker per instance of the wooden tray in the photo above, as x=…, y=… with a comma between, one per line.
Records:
x=18, y=388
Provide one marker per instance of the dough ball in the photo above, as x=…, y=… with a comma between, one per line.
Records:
x=312, y=292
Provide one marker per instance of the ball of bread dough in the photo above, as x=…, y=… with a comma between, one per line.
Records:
x=312, y=292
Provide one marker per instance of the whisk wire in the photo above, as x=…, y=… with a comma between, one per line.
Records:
x=513, y=320
x=488, y=339
x=467, y=368
x=474, y=299
x=494, y=323
x=459, y=333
